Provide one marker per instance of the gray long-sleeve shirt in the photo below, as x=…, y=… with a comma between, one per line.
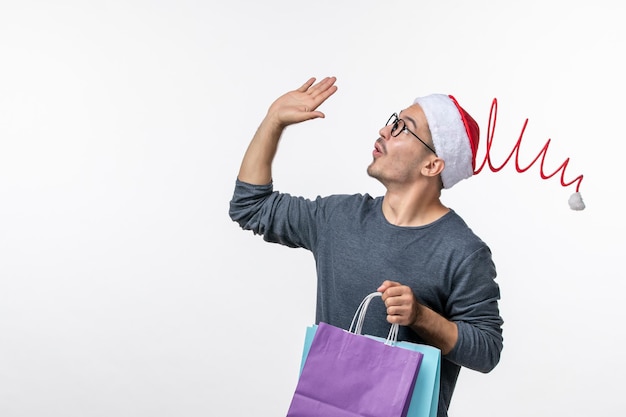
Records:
x=448, y=267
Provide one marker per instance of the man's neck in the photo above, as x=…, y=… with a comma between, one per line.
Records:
x=413, y=207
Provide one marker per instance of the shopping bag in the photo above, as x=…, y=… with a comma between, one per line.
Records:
x=347, y=374
x=425, y=398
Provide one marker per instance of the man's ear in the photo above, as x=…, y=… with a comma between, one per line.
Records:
x=433, y=167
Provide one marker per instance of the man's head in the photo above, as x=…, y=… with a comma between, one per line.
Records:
x=454, y=135
x=404, y=153
x=431, y=138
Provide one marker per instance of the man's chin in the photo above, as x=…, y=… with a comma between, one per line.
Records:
x=371, y=171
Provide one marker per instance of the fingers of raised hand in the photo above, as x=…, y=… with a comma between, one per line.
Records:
x=318, y=94
x=306, y=85
x=321, y=91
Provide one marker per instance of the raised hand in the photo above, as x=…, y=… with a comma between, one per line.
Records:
x=299, y=105
x=294, y=107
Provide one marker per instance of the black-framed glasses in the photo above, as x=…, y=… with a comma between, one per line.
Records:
x=399, y=126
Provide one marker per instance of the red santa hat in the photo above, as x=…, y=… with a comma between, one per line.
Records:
x=455, y=135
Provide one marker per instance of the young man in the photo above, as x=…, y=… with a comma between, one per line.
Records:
x=436, y=276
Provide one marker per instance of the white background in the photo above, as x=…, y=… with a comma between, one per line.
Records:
x=125, y=288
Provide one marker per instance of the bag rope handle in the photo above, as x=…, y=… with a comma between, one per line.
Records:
x=359, y=318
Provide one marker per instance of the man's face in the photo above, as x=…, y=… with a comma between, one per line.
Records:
x=399, y=158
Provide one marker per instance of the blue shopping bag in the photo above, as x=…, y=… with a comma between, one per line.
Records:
x=425, y=398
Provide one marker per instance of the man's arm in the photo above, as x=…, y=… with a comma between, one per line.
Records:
x=474, y=340
x=291, y=108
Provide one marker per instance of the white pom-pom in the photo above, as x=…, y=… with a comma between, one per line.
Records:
x=576, y=202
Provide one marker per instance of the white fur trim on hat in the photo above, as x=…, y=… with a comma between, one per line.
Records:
x=450, y=138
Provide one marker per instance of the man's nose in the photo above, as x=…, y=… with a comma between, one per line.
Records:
x=385, y=132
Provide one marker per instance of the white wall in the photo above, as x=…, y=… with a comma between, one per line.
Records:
x=125, y=289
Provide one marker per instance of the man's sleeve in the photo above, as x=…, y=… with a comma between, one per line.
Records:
x=473, y=306
x=278, y=217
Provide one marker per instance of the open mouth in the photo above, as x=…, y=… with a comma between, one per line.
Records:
x=379, y=146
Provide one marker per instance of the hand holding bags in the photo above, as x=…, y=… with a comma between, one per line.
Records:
x=346, y=374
